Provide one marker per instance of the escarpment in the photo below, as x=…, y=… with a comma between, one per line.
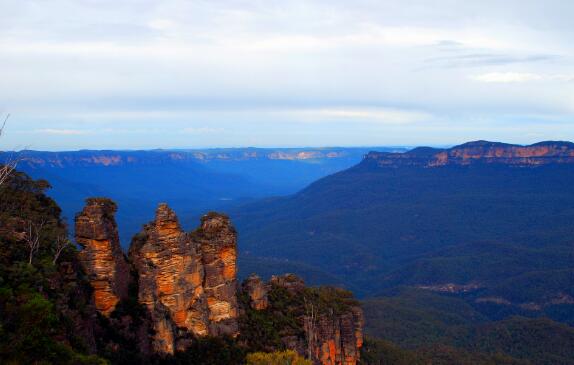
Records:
x=186, y=283
x=479, y=152
x=101, y=255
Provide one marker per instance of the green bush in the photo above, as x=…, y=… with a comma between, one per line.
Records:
x=276, y=358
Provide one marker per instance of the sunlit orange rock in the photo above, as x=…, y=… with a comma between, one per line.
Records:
x=339, y=337
x=482, y=152
x=218, y=243
x=186, y=280
x=334, y=337
x=101, y=254
x=170, y=275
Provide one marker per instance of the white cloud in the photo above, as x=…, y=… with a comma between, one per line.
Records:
x=506, y=77
x=320, y=66
x=517, y=77
x=202, y=130
x=364, y=115
x=62, y=132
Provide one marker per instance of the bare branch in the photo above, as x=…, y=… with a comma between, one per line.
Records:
x=33, y=238
x=61, y=244
x=310, y=323
x=4, y=124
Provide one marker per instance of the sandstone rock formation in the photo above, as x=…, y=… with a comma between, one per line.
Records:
x=101, y=255
x=218, y=245
x=170, y=275
x=257, y=291
x=479, y=152
x=188, y=284
x=187, y=281
x=338, y=338
x=333, y=328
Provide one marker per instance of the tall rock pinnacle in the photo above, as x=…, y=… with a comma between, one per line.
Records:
x=218, y=242
x=177, y=283
x=187, y=283
x=102, y=256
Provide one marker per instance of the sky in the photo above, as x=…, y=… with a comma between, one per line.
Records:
x=99, y=74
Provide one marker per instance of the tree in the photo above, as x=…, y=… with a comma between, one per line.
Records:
x=310, y=320
x=61, y=243
x=10, y=164
x=33, y=238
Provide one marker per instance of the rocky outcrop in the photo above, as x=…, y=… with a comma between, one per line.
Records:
x=338, y=337
x=187, y=281
x=257, y=291
x=331, y=320
x=187, y=288
x=483, y=152
x=170, y=280
x=291, y=282
x=101, y=255
x=218, y=245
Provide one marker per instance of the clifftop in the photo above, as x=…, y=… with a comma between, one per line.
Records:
x=108, y=158
x=485, y=152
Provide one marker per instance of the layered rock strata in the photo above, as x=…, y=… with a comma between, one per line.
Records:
x=338, y=338
x=187, y=281
x=101, y=255
x=333, y=331
x=218, y=246
x=482, y=152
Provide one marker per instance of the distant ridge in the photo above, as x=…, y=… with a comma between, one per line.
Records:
x=106, y=158
x=469, y=215
x=541, y=153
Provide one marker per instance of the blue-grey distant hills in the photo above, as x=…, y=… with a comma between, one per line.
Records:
x=192, y=181
x=492, y=222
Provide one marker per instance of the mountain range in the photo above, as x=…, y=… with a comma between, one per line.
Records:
x=192, y=181
x=490, y=222
x=459, y=255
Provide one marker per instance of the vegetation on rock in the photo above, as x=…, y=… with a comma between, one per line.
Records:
x=276, y=358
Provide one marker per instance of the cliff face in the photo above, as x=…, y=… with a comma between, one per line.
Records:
x=170, y=275
x=257, y=291
x=39, y=159
x=218, y=245
x=331, y=322
x=186, y=281
x=542, y=153
x=101, y=255
x=338, y=338
x=187, y=287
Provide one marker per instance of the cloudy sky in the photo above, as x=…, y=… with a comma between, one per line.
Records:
x=174, y=73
